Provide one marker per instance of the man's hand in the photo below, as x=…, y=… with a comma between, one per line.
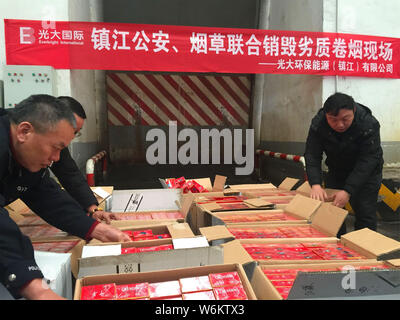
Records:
x=340, y=198
x=105, y=216
x=318, y=193
x=37, y=289
x=106, y=233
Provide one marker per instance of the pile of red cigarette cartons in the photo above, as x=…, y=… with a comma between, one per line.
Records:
x=163, y=247
x=215, y=286
x=277, y=216
x=282, y=279
x=277, y=232
x=174, y=215
x=226, y=199
x=42, y=231
x=301, y=251
x=186, y=185
x=56, y=246
x=146, y=234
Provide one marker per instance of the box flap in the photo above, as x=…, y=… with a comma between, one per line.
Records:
x=235, y=253
x=205, y=182
x=102, y=193
x=180, y=230
x=329, y=218
x=304, y=189
x=219, y=183
x=303, y=206
x=394, y=262
x=252, y=186
x=259, y=203
x=377, y=244
x=288, y=184
x=186, y=202
x=216, y=233
x=211, y=206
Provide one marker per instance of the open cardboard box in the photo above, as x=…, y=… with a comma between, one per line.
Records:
x=265, y=290
x=165, y=275
x=300, y=208
x=305, y=190
x=370, y=244
x=327, y=219
x=286, y=185
x=174, y=229
x=184, y=205
x=75, y=252
x=18, y=210
x=150, y=261
x=217, y=186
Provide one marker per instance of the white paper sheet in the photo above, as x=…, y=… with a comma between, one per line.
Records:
x=101, y=251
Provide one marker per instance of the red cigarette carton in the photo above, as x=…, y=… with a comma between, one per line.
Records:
x=194, y=284
x=99, y=292
x=142, y=233
x=225, y=279
x=230, y=293
x=128, y=250
x=164, y=289
x=201, y=295
x=132, y=291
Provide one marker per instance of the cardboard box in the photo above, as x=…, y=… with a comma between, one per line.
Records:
x=103, y=194
x=286, y=185
x=174, y=229
x=76, y=253
x=370, y=244
x=150, y=261
x=327, y=219
x=266, y=290
x=165, y=275
x=305, y=190
x=184, y=204
x=300, y=209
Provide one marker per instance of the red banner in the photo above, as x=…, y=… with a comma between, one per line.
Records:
x=138, y=47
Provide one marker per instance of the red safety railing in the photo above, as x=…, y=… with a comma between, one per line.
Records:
x=91, y=164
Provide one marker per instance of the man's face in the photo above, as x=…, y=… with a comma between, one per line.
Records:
x=39, y=150
x=342, y=121
x=79, y=124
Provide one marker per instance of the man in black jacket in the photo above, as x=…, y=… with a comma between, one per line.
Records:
x=348, y=134
x=69, y=175
x=31, y=138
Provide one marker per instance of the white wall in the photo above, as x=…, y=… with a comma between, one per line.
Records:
x=87, y=86
x=289, y=99
x=34, y=10
x=369, y=17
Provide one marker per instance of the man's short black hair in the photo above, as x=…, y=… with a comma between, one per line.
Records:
x=74, y=105
x=338, y=101
x=43, y=111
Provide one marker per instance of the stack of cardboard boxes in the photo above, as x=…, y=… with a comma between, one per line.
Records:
x=264, y=234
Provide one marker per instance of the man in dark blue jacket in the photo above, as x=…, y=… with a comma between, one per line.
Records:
x=69, y=175
x=32, y=136
x=348, y=134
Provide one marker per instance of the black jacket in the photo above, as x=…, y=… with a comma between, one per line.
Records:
x=73, y=180
x=352, y=156
x=43, y=196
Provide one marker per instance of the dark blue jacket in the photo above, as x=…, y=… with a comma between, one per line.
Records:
x=44, y=197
